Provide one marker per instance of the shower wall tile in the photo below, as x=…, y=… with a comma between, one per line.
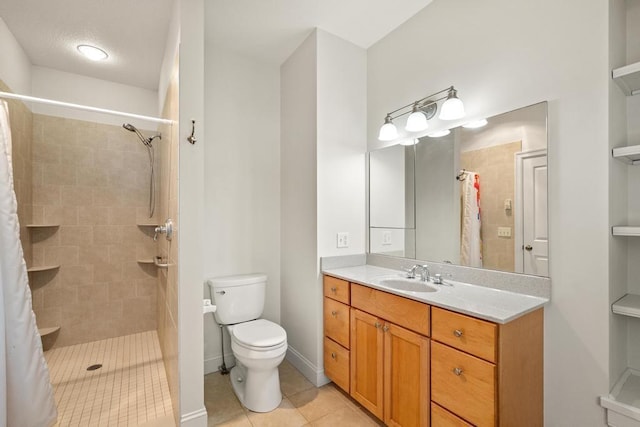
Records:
x=93, y=180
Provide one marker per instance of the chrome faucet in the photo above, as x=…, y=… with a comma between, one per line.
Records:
x=425, y=275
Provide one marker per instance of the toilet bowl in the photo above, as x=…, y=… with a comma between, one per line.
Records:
x=259, y=345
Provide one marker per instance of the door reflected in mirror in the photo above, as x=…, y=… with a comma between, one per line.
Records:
x=476, y=197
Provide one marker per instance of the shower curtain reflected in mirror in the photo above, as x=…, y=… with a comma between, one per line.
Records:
x=26, y=395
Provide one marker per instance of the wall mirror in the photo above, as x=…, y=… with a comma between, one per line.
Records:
x=475, y=197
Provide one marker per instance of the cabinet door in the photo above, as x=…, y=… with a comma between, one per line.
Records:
x=406, y=377
x=366, y=361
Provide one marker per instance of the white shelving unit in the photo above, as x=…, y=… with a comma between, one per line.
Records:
x=628, y=305
x=629, y=155
x=628, y=78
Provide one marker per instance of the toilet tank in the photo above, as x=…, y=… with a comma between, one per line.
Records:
x=238, y=298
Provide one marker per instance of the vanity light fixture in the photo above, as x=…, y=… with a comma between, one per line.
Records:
x=421, y=111
x=91, y=52
x=438, y=134
x=475, y=124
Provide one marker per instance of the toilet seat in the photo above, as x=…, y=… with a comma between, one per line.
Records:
x=259, y=335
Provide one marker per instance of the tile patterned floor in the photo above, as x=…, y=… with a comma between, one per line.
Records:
x=302, y=405
x=129, y=390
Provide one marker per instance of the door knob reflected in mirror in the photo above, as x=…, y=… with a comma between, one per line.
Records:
x=528, y=247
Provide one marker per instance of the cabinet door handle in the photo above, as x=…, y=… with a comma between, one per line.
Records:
x=333, y=356
x=377, y=325
x=385, y=328
x=457, y=333
x=457, y=371
x=334, y=313
x=334, y=289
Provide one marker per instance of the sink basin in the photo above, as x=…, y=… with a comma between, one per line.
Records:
x=407, y=285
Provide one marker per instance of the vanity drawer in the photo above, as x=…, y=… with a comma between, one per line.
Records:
x=336, y=363
x=463, y=384
x=336, y=289
x=468, y=334
x=405, y=312
x=336, y=321
x=440, y=417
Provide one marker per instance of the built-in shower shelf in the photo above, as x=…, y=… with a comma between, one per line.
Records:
x=628, y=78
x=628, y=305
x=48, y=331
x=630, y=154
x=42, y=225
x=626, y=230
x=43, y=268
x=146, y=261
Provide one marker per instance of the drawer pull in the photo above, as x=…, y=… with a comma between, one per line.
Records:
x=457, y=371
x=457, y=333
x=334, y=313
x=334, y=356
x=334, y=289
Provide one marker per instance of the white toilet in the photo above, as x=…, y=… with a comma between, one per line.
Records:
x=258, y=345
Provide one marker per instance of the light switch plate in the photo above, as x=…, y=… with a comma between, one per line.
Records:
x=504, y=231
x=343, y=240
x=386, y=238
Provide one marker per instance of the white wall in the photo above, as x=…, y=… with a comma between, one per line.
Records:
x=75, y=88
x=506, y=54
x=299, y=291
x=171, y=49
x=242, y=179
x=323, y=145
x=15, y=66
x=191, y=215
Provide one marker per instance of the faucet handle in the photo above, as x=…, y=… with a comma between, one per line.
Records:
x=411, y=271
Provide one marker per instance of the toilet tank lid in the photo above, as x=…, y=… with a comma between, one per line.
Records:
x=238, y=280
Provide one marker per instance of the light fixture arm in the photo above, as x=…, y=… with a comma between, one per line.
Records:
x=421, y=103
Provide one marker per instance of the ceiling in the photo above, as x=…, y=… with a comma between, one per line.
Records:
x=134, y=33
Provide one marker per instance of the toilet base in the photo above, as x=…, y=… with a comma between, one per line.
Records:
x=259, y=391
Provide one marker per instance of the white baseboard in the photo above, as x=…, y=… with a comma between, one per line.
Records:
x=194, y=419
x=211, y=365
x=308, y=369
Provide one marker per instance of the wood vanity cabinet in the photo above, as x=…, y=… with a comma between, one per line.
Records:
x=411, y=364
x=390, y=356
x=337, y=329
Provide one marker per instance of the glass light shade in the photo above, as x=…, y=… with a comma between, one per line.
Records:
x=452, y=108
x=475, y=124
x=416, y=122
x=409, y=141
x=439, y=133
x=92, y=52
x=388, y=131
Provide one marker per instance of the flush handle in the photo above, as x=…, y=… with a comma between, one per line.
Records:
x=457, y=333
x=220, y=292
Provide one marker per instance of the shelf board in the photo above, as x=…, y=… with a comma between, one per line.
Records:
x=42, y=225
x=628, y=305
x=624, y=399
x=48, y=331
x=625, y=230
x=628, y=78
x=146, y=261
x=629, y=155
x=42, y=268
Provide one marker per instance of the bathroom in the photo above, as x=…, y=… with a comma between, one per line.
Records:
x=255, y=199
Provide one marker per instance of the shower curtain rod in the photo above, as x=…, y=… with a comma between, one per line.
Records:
x=82, y=107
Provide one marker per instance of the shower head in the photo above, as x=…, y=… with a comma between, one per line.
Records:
x=145, y=141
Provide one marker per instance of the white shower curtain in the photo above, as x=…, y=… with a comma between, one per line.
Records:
x=26, y=395
x=471, y=238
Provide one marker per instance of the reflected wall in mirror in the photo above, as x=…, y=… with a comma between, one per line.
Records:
x=476, y=197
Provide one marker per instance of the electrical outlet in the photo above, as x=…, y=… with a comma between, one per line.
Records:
x=343, y=240
x=386, y=238
x=504, y=231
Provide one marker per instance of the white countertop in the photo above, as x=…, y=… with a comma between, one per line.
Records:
x=485, y=303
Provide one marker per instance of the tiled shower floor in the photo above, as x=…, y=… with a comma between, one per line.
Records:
x=130, y=388
x=302, y=405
